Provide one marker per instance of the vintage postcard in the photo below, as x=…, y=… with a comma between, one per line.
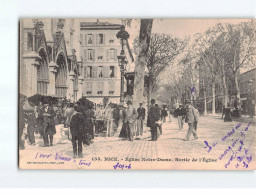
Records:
x=137, y=94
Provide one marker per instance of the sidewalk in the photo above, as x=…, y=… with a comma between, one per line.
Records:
x=243, y=118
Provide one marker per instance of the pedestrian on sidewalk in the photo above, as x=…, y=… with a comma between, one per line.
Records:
x=196, y=118
x=153, y=117
x=31, y=121
x=159, y=123
x=227, y=115
x=179, y=113
x=40, y=119
x=78, y=132
x=69, y=111
x=108, y=114
x=21, y=123
x=190, y=119
x=223, y=112
x=89, y=121
x=140, y=119
x=130, y=115
x=164, y=113
x=116, y=116
x=49, y=124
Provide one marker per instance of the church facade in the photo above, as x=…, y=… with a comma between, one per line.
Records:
x=49, y=58
x=67, y=58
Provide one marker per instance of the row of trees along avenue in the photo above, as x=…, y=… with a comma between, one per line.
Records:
x=218, y=53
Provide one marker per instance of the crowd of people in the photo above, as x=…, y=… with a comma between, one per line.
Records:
x=82, y=119
x=133, y=120
x=83, y=122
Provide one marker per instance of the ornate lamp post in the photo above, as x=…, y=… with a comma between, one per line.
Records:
x=122, y=64
x=122, y=35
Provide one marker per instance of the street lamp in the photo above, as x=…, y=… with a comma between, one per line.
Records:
x=122, y=35
x=122, y=64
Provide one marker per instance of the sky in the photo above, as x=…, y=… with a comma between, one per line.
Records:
x=187, y=27
x=180, y=27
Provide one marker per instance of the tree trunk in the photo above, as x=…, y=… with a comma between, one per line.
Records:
x=149, y=90
x=205, y=101
x=205, y=104
x=141, y=61
x=213, y=97
x=238, y=100
x=224, y=86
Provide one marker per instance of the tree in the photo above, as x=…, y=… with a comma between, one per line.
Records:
x=162, y=52
x=242, y=51
x=205, y=46
x=141, y=60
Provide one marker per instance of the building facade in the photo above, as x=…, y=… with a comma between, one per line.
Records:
x=247, y=83
x=49, y=58
x=67, y=58
x=247, y=92
x=99, y=50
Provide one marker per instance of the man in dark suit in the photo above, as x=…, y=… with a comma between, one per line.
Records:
x=140, y=119
x=179, y=112
x=78, y=132
x=153, y=117
x=49, y=125
x=21, y=123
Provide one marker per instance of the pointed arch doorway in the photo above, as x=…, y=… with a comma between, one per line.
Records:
x=61, y=77
x=42, y=73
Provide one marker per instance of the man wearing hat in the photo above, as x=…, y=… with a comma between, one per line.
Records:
x=140, y=119
x=49, y=124
x=21, y=123
x=78, y=131
x=153, y=117
x=129, y=115
x=179, y=114
x=190, y=119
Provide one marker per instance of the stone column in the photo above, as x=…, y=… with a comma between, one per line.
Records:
x=52, y=71
x=31, y=62
x=70, y=92
x=80, y=87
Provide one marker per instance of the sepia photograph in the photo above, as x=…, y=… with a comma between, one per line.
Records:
x=136, y=94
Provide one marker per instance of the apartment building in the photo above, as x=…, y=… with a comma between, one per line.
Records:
x=99, y=50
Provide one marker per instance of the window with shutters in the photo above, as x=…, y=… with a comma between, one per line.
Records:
x=111, y=87
x=94, y=71
x=88, y=88
x=89, y=39
x=112, y=54
x=90, y=55
x=81, y=39
x=101, y=39
x=88, y=71
x=112, y=71
x=100, y=88
x=107, y=55
x=106, y=71
x=85, y=55
x=85, y=72
x=100, y=71
x=100, y=53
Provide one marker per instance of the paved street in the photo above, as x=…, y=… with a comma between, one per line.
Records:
x=170, y=145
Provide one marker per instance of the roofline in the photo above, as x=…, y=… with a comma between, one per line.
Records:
x=96, y=26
